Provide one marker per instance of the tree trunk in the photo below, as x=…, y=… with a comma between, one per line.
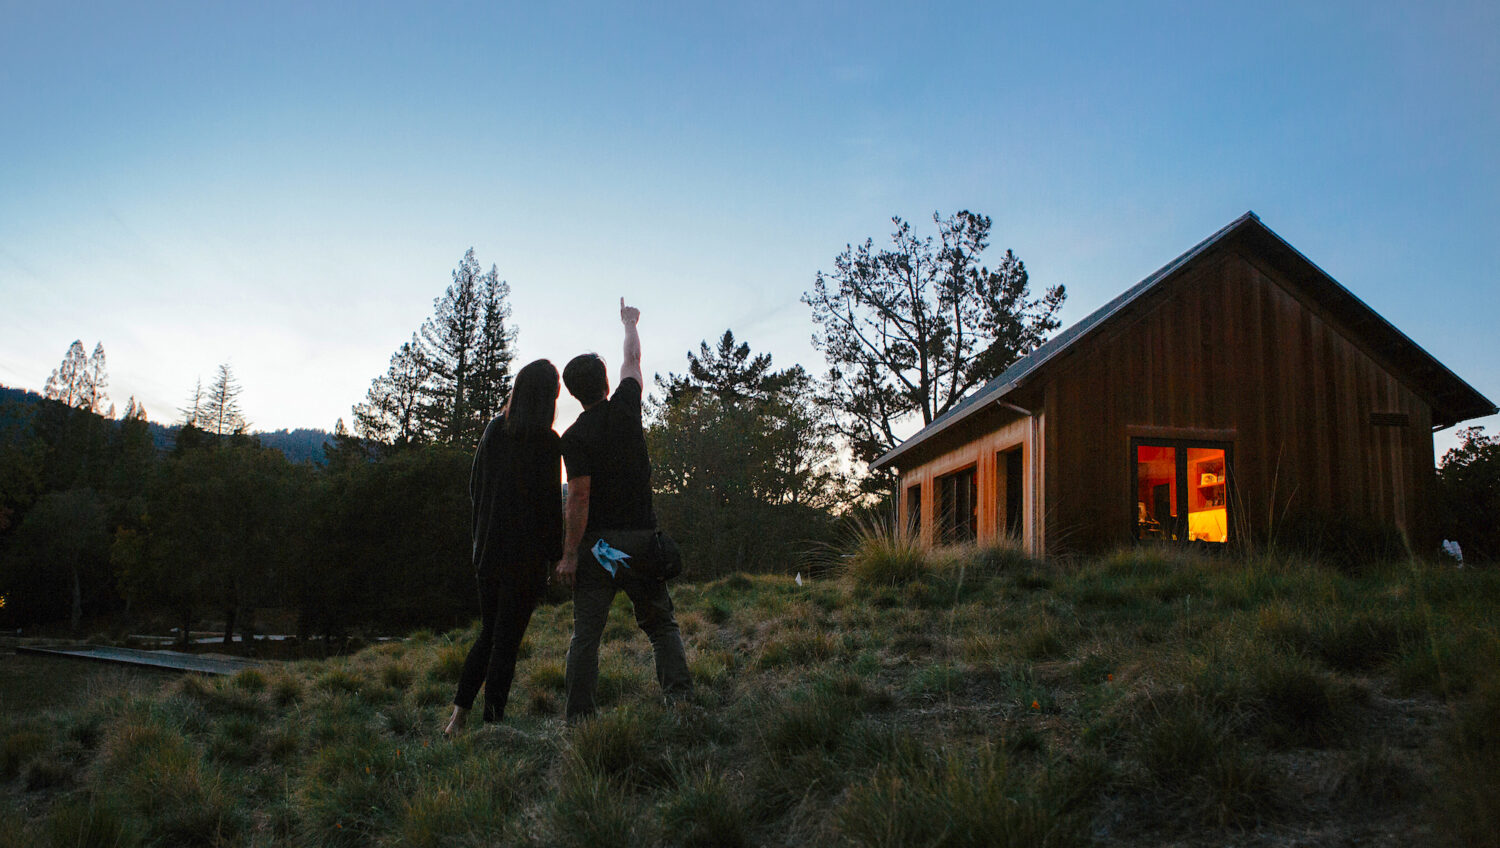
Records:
x=247, y=630
x=77, y=617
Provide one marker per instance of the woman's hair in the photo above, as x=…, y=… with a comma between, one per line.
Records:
x=533, y=399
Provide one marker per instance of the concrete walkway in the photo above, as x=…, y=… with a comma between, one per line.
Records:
x=169, y=660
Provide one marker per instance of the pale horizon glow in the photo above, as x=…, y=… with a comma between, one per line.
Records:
x=286, y=187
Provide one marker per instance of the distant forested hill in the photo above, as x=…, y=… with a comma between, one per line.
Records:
x=299, y=445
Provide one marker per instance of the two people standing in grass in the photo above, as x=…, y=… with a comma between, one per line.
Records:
x=518, y=527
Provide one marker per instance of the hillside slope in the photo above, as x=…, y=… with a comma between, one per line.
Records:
x=983, y=699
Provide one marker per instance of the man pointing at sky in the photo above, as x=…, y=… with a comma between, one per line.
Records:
x=609, y=488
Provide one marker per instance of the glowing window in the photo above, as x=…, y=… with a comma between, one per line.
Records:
x=1181, y=491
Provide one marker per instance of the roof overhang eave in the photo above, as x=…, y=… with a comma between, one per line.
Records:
x=925, y=434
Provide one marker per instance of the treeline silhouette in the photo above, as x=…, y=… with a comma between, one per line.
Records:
x=96, y=520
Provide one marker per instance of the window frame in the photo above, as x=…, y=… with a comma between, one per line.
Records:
x=943, y=523
x=1181, y=446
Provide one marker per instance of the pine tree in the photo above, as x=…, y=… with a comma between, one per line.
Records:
x=134, y=411
x=450, y=347
x=390, y=412
x=911, y=330
x=497, y=341
x=68, y=381
x=454, y=375
x=223, y=415
x=726, y=371
x=95, y=381
x=192, y=413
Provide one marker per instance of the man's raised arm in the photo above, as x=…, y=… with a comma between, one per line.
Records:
x=630, y=364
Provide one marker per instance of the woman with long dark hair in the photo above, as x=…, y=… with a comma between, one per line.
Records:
x=516, y=490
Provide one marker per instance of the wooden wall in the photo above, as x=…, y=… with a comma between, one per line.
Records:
x=1229, y=352
x=979, y=452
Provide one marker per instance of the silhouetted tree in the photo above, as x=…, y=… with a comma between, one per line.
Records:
x=450, y=347
x=494, y=356
x=743, y=460
x=221, y=414
x=58, y=560
x=192, y=411
x=454, y=376
x=1469, y=494
x=910, y=330
x=391, y=410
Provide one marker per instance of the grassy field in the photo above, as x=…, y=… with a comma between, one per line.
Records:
x=974, y=699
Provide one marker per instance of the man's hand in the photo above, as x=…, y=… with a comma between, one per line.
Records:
x=630, y=364
x=567, y=569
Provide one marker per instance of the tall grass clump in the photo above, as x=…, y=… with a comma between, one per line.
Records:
x=91, y=822
x=706, y=812
x=1469, y=778
x=958, y=799
x=624, y=745
x=882, y=553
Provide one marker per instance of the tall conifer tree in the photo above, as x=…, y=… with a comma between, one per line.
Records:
x=450, y=346
x=223, y=416
x=390, y=411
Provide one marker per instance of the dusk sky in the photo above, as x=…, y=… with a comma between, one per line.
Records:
x=286, y=187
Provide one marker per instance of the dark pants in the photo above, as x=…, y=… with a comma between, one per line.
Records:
x=593, y=592
x=506, y=610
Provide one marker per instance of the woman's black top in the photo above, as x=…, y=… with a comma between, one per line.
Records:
x=516, y=488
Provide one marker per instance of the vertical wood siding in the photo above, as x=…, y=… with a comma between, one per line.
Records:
x=1230, y=352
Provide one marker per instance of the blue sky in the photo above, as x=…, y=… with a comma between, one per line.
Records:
x=287, y=186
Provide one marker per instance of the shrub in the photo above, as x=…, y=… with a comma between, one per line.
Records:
x=341, y=680
x=437, y=814
x=449, y=665
x=1298, y=706
x=547, y=677
x=159, y=776
x=397, y=675
x=49, y=772
x=1197, y=770
x=1352, y=543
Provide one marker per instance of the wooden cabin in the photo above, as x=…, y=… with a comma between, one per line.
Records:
x=1236, y=387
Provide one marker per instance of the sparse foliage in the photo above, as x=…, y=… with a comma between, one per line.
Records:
x=390, y=412
x=909, y=330
x=222, y=414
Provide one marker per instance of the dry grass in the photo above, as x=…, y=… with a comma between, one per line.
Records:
x=963, y=698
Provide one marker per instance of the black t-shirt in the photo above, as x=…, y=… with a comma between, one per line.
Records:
x=606, y=445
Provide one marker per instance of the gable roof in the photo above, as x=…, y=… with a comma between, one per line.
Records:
x=1451, y=398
